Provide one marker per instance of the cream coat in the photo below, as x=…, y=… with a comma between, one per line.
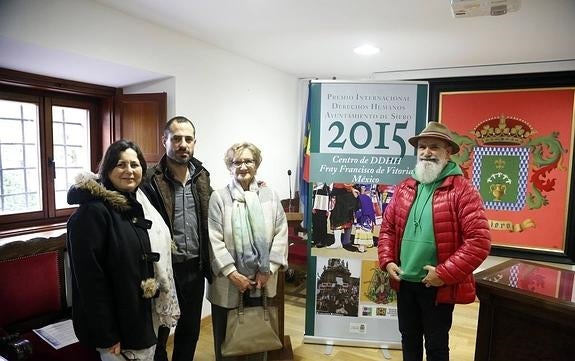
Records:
x=222, y=291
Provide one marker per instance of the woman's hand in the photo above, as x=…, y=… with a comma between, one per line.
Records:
x=115, y=349
x=262, y=279
x=241, y=282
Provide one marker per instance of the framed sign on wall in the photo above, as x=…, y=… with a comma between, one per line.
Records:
x=516, y=135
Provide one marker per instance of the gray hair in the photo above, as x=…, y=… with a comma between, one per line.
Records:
x=238, y=148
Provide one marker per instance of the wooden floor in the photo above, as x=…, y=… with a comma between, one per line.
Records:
x=462, y=337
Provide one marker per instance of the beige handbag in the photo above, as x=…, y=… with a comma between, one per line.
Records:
x=251, y=329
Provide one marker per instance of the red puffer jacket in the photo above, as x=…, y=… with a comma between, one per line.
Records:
x=461, y=234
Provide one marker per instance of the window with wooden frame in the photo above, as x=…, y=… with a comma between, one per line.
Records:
x=50, y=130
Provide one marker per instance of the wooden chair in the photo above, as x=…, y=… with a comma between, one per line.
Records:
x=33, y=295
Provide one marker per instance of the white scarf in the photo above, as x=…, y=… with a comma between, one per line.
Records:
x=165, y=306
x=252, y=250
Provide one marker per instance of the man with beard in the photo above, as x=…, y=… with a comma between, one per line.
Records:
x=433, y=236
x=179, y=187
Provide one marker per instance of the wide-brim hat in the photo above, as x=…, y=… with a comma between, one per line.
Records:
x=436, y=130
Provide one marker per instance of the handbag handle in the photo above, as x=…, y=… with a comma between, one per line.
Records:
x=264, y=304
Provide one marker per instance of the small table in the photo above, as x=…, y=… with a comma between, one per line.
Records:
x=294, y=219
x=526, y=312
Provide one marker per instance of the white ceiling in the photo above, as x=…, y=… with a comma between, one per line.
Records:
x=316, y=38
x=35, y=59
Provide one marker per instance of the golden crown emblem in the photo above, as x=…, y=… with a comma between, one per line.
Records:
x=503, y=130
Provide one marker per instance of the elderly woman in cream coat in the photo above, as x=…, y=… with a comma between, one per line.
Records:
x=248, y=237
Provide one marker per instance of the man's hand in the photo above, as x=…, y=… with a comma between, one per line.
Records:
x=241, y=282
x=432, y=279
x=393, y=270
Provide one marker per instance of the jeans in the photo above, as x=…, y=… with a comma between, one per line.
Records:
x=420, y=318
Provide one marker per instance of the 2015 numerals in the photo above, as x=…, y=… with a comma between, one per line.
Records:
x=369, y=130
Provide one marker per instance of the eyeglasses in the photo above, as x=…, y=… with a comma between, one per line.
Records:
x=246, y=162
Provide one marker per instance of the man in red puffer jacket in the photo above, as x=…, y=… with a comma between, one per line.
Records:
x=433, y=236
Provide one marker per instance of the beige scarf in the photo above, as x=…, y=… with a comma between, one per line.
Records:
x=165, y=306
x=248, y=229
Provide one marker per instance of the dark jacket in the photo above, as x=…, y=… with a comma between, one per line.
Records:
x=160, y=192
x=107, y=237
x=461, y=234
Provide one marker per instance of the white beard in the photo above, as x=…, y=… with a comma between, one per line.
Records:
x=427, y=171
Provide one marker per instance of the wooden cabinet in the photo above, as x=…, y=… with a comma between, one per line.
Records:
x=143, y=117
x=526, y=312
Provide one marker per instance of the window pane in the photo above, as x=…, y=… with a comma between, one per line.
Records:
x=31, y=174
x=71, y=132
x=61, y=181
x=75, y=156
x=13, y=204
x=19, y=153
x=57, y=114
x=65, y=177
x=31, y=156
x=10, y=109
x=74, y=115
x=60, y=156
x=33, y=201
x=12, y=156
x=11, y=131
x=16, y=198
x=58, y=133
x=13, y=181
x=31, y=131
x=75, y=134
x=61, y=199
x=29, y=111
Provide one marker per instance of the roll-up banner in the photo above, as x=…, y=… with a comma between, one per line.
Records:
x=357, y=150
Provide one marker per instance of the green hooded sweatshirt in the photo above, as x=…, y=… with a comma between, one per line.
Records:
x=418, y=244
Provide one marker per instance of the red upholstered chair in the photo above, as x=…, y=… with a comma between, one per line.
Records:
x=30, y=288
x=297, y=262
x=33, y=295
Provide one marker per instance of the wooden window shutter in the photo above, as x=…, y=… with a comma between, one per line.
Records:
x=143, y=117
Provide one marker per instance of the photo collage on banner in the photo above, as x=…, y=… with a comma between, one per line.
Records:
x=358, y=151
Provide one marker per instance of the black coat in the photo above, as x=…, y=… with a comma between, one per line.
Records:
x=107, y=239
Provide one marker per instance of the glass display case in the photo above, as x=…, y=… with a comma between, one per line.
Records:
x=526, y=312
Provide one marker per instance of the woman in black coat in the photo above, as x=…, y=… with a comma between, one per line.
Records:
x=111, y=260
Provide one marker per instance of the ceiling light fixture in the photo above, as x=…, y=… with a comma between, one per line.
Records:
x=366, y=49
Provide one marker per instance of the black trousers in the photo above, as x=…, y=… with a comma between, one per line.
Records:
x=190, y=289
x=421, y=318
